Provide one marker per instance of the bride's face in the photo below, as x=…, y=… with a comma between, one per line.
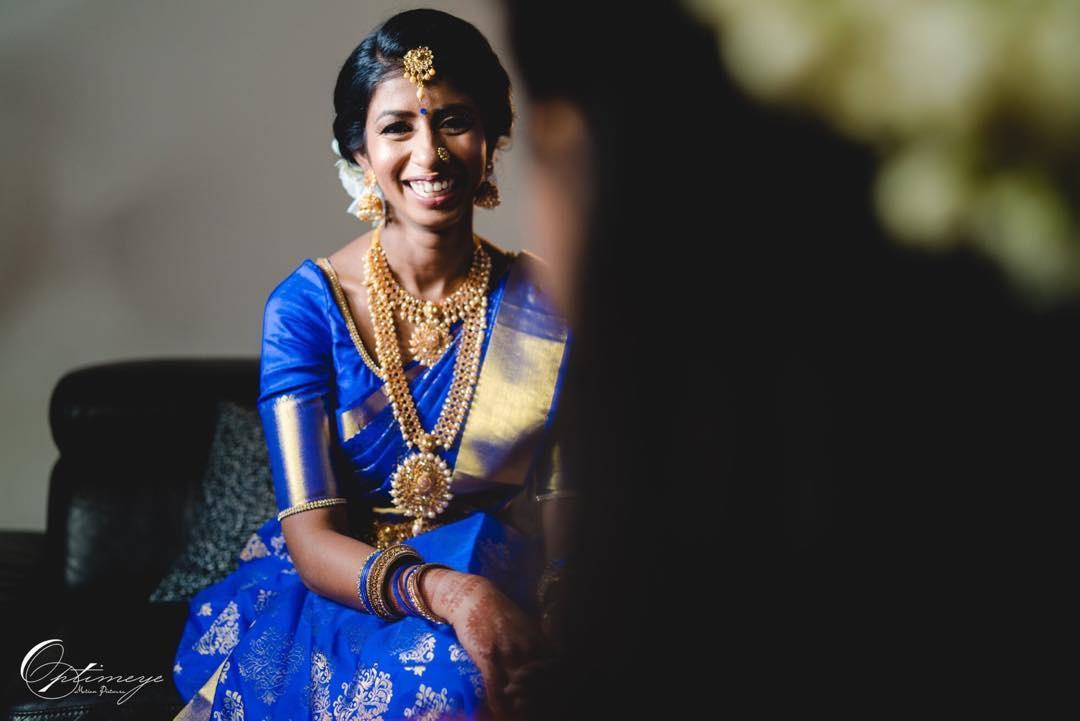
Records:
x=402, y=145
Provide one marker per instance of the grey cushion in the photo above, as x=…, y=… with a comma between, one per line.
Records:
x=237, y=498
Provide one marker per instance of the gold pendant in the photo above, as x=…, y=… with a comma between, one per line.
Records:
x=428, y=341
x=420, y=487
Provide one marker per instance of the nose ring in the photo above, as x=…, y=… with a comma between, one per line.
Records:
x=443, y=154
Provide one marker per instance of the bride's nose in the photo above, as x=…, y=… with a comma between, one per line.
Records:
x=425, y=146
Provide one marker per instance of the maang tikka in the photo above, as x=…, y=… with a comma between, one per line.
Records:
x=419, y=66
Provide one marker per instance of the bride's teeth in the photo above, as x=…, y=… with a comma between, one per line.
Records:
x=425, y=188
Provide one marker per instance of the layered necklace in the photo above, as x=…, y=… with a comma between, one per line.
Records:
x=432, y=320
x=420, y=485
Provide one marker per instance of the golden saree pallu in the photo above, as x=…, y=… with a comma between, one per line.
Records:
x=298, y=437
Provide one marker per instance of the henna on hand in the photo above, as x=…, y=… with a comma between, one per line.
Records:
x=451, y=590
x=480, y=627
x=503, y=641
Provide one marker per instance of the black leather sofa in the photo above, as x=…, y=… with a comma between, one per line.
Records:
x=133, y=439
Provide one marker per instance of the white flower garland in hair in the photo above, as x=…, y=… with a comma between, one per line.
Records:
x=352, y=179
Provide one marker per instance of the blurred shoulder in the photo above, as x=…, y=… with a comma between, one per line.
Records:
x=532, y=281
x=537, y=269
x=525, y=264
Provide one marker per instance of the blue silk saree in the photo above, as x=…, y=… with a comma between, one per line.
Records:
x=259, y=644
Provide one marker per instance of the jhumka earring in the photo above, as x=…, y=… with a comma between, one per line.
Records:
x=369, y=206
x=487, y=195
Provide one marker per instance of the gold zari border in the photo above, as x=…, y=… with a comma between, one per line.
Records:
x=350, y=322
x=515, y=389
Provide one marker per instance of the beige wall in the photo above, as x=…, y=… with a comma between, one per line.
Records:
x=164, y=166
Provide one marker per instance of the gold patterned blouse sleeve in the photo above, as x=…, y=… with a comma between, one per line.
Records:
x=298, y=437
x=296, y=375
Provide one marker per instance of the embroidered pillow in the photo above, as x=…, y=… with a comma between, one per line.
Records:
x=237, y=498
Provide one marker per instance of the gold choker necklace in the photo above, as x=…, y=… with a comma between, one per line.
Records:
x=420, y=485
x=432, y=320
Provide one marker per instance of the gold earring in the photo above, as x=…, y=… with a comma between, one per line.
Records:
x=487, y=195
x=369, y=206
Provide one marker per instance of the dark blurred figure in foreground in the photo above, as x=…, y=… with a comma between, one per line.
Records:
x=814, y=470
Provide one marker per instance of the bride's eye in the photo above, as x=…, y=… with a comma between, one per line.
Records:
x=459, y=121
x=390, y=128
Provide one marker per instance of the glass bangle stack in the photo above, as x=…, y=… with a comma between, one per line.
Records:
x=396, y=570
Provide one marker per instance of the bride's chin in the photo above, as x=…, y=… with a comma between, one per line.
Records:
x=433, y=219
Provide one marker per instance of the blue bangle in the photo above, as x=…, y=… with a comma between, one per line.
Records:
x=361, y=582
x=409, y=601
x=395, y=587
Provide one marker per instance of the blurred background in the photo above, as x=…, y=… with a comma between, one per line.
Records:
x=972, y=107
x=932, y=272
x=164, y=166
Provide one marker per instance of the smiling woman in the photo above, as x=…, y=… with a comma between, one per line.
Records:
x=407, y=386
x=427, y=148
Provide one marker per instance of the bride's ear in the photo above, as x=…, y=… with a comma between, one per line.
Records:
x=362, y=161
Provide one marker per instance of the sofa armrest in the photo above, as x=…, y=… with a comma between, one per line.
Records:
x=133, y=440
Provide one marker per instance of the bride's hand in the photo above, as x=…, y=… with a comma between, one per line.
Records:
x=504, y=642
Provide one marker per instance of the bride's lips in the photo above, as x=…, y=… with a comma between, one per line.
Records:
x=436, y=201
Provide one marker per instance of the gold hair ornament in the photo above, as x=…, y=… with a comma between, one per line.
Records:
x=418, y=68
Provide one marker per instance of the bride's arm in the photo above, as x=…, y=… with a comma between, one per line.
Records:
x=328, y=561
x=492, y=630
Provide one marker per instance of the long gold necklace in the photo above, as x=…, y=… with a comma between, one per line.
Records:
x=420, y=485
x=431, y=320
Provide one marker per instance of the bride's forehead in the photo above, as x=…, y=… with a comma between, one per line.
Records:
x=401, y=94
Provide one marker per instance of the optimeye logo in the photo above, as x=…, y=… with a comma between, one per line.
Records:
x=49, y=677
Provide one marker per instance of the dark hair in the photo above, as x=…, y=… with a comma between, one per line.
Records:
x=463, y=58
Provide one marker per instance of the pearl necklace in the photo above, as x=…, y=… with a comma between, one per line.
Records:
x=420, y=485
x=432, y=320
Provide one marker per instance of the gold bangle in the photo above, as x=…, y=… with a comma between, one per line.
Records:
x=309, y=505
x=413, y=589
x=374, y=589
x=377, y=579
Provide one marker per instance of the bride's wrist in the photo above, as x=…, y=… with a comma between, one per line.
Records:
x=449, y=592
